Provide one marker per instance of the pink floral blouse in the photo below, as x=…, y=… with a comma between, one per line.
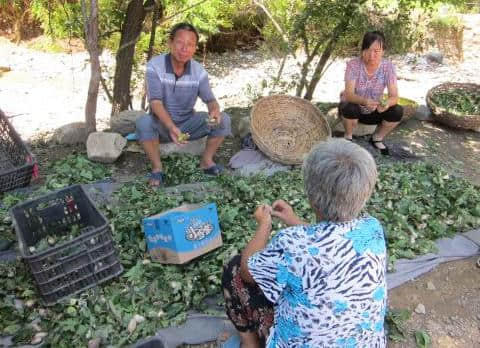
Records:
x=370, y=88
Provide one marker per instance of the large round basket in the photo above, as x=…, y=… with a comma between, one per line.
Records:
x=446, y=117
x=285, y=128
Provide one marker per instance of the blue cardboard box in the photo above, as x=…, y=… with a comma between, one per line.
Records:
x=178, y=235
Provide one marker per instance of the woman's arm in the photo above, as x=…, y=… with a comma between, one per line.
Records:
x=259, y=240
x=351, y=97
x=392, y=94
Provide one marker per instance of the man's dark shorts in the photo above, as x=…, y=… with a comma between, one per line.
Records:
x=149, y=127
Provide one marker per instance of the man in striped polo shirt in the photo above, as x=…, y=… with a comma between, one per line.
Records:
x=174, y=81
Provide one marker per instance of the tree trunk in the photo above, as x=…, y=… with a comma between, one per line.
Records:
x=327, y=52
x=157, y=14
x=131, y=29
x=91, y=38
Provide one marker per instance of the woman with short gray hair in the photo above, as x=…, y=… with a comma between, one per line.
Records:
x=320, y=284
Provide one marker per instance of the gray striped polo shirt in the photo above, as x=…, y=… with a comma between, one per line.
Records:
x=177, y=93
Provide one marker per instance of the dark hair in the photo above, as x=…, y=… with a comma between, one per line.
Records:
x=372, y=36
x=183, y=26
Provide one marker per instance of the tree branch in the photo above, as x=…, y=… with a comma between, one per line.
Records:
x=184, y=10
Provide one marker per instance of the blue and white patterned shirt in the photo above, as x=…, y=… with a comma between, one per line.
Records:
x=327, y=282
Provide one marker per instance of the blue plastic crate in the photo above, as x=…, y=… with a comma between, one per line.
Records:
x=181, y=234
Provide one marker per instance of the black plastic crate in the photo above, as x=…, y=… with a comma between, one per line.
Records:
x=17, y=164
x=74, y=265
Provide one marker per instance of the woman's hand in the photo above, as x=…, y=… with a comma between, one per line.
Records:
x=381, y=108
x=263, y=215
x=371, y=104
x=284, y=212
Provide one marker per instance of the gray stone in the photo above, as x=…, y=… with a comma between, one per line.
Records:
x=243, y=127
x=72, y=133
x=420, y=309
x=436, y=57
x=423, y=113
x=193, y=147
x=105, y=147
x=360, y=130
x=124, y=122
x=430, y=286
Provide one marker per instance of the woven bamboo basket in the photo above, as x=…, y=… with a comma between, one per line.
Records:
x=450, y=119
x=285, y=128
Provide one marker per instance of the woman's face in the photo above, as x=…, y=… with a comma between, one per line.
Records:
x=373, y=54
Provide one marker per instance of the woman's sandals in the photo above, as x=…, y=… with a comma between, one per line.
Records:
x=385, y=151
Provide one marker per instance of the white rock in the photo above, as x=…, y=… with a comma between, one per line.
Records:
x=39, y=336
x=124, y=122
x=94, y=343
x=105, y=147
x=132, y=325
x=72, y=133
x=420, y=309
x=360, y=130
x=138, y=318
x=431, y=286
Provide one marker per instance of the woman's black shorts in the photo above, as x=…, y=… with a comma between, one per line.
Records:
x=352, y=112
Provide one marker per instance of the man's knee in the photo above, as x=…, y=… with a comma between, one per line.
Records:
x=226, y=123
x=144, y=128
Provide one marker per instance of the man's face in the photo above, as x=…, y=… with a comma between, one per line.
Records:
x=183, y=45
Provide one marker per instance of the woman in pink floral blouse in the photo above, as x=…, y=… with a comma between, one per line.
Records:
x=365, y=80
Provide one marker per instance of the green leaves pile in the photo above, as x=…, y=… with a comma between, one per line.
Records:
x=458, y=101
x=417, y=203
x=74, y=169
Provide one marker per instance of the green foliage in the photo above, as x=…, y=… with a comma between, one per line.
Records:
x=446, y=22
x=405, y=195
x=59, y=19
x=422, y=339
x=75, y=169
x=396, y=320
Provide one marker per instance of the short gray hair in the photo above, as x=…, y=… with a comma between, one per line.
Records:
x=339, y=177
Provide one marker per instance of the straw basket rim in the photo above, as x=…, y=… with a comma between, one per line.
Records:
x=266, y=137
x=440, y=114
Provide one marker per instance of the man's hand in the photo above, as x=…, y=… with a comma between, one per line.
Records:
x=263, y=215
x=214, y=111
x=216, y=114
x=174, y=133
x=284, y=212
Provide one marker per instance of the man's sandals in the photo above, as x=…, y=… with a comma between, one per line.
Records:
x=156, y=179
x=385, y=151
x=214, y=170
